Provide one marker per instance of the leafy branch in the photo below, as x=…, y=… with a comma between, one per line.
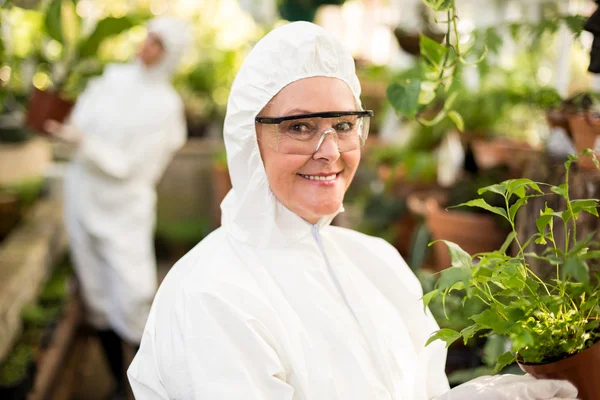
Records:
x=545, y=320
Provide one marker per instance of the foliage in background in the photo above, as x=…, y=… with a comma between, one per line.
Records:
x=545, y=321
x=432, y=94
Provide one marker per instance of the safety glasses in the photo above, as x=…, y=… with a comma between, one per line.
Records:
x=303, y=134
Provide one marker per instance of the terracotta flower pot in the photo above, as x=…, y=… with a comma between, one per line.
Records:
x=474, y=233
x=45, y=105
x=582, y=370
x=502, y=151
x=585, y=129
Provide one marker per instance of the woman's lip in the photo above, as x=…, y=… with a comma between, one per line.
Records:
x=324, y=182
x=322, y=174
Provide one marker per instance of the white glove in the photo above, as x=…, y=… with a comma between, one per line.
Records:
x=511, y=387
x=65, y=132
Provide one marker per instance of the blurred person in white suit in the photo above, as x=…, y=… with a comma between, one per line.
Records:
x=127, y=125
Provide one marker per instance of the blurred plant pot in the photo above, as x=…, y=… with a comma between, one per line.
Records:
x=10, y=213
x=582, y=370
x=45, y=105
x=405, y=228
x=585, y=129
x=559, y=118
x=502, y=151
x=473, y=232
x=221, y=183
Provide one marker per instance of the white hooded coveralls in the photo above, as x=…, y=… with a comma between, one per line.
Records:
x=133, y=122
x=270, y=307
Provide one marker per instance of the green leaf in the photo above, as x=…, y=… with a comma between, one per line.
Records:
x=516, y=185
x=432, y=51
x=499, y=189
x=509, y=239
x=561, y=190
x=404, y=97
x=457, y=119
x=427, y=298
x=447, y=335
x=575, y=24
x=439, y=5
x=490, y=319
x=460, y=258
x=591, y=255
x=53, y=22
x=451, y=276
x=481, y=203
x=470, y=331
x=504, y=360
x=512, y=211
x=576, y=268
x=543, y=221
x=588, y=205
x=105, y=28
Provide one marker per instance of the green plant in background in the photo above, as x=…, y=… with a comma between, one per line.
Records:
x=15, y=367
x=26, y=191
x=545, y=321
x=433, y=93
x=185, y=232
x=56, y=290
x=68, y=53
x=438, y=66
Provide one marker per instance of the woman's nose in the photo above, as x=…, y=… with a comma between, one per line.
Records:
x=327, y=149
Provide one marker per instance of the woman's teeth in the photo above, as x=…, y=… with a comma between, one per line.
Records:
x=319, y=178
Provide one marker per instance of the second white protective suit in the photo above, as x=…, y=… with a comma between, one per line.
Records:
x=271, y=307
x=132, y=121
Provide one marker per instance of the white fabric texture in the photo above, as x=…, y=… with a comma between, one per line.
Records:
x=255, y=311
x=512, y=387
x=133, y=122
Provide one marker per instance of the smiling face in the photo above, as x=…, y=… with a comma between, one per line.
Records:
x=311, y=186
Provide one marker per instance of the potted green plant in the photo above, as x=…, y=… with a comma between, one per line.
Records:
x=554, y=326
x=76, y=58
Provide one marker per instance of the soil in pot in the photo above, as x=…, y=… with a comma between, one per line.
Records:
x=46, y=105
x=582, y=370
x=585, y=129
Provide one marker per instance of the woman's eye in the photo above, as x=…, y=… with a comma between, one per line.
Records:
x=344, y=127
x=302, y=128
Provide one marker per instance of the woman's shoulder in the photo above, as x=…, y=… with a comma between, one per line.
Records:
x=211, y=270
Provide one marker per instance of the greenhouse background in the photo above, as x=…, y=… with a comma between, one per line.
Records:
x=528, y=62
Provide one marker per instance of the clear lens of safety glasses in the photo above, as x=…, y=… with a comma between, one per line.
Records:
x=304, y=134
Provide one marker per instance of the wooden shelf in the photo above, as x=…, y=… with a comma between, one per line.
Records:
x=53, y=361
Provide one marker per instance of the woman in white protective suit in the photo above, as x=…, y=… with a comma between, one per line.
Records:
x=277, y=304
x=127, y=124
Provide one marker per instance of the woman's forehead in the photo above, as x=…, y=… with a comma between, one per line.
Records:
x=313, y=95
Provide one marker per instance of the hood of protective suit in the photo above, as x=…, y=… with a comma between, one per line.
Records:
x=176, y=36
x=250, y=212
